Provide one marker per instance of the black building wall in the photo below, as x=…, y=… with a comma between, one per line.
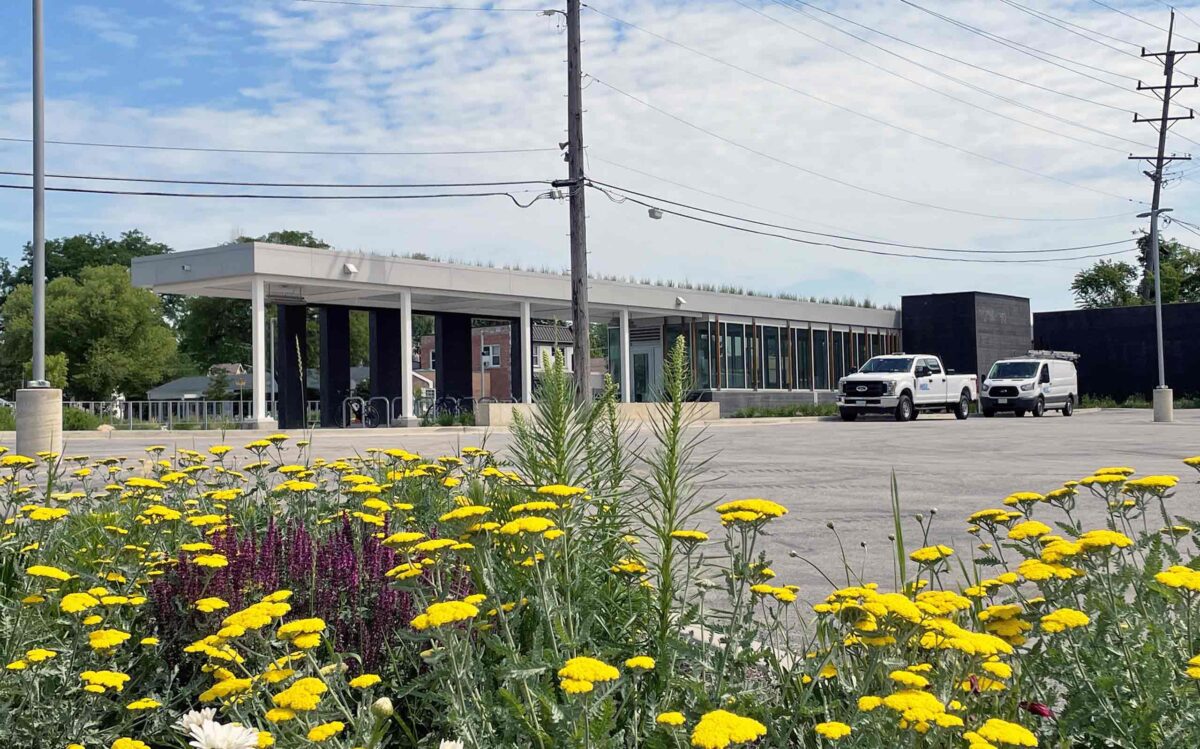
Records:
x=969, y=330
x=1117, y=349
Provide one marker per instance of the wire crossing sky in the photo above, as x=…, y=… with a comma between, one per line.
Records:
x=909, y=127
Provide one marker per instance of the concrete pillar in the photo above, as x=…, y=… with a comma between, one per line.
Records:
x=335, y=363
x=454, y=362
x=258, y=355
x=39, y=421
x=626, y=364
x=408, y=418
x=386, y=354
x=291, y=363
x=526, y=353
x=1164, y=404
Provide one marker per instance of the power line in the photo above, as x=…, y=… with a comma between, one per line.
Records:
x=836, y=180
x=224, y=183
x=1026, y=49
x=408, y=6
x=282, y=152
x=1047, y=251
x=961, y=61
x=1139, y=20
x=943, y=74
x=251, y=196
x=857, y=113
x=863, y=250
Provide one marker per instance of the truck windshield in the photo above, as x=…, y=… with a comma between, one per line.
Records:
x=1013, y=370
x=888, y=364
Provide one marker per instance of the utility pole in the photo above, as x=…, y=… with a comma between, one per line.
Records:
x=580, y=320
x=1163, y=397
x=38, y=376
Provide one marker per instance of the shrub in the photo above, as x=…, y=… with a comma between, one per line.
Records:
x=8, y=419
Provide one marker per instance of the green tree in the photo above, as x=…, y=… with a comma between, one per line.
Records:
x=68, y=256
x=1180, y=271
x=1108, y=283
x=56, y=370
x=218, y=386
x=113, y=334
x=293, y=237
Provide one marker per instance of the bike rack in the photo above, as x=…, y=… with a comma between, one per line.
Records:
x=386, y=412
x=347, y=421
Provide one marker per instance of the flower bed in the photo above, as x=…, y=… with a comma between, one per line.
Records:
x=557, y=597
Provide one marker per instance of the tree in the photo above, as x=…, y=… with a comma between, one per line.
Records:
x=218, y=386
x=68, y=256
x=292, y=237
x=1180, y=271
x=113, y=335
x=1108, y=283
x=56, y=370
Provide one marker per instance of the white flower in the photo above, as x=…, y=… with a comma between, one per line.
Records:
x=448, y=744
x=195, y=718
x=213, y=735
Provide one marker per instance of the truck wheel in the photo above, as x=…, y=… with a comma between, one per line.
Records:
x=848, y=414
x=1039, y=408
x=1069, y=406
x=963, y=409
x=904, y=409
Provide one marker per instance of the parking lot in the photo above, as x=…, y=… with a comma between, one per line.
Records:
x=829, y=471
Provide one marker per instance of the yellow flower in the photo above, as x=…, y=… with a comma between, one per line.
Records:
x=998, y=731
x=583, y=668
x=326, y=730
x=46, y=514
x=832, y=730
x=670, y=719
x=73, y=603
x=37, y=655
x=106, y=639
x=576, y=686
x=105, y=679
x=560, y=490
x=290, y=630
x=1023, y=498
x=909, y=679
x=148, y=641
x=686, y=535
x=211, y=560
x=1102, y=539
x=127, y=743
x=265, y=739
x=465, y=513
x=931, y=554
x=640, y=662
x=53, y=573
x=446, y=612
x=720, y=728
x=143, y=704
x=209, y=605
x=19, y=665
x=869, y=702
x=1178, y=576
x=1028, y=529
x=363, y=681
x=404, y=538
x=536, y=506
x=764, y=507
x=527, y=524
x=1057, y=621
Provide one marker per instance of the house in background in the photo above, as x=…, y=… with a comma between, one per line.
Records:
x=491, y=349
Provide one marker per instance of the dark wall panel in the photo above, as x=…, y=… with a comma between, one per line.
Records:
x=335, y=363
x=941, y=324
x=1003, y=329
x=1117, y=349
x=291, y=360
x=453, y=361
x=387, y=355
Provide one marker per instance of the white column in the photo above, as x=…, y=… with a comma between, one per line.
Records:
x=626, y=364
x=526, y=354
x=258, y=350
x=406, y=356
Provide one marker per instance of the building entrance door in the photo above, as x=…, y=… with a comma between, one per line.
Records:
x=647, y=360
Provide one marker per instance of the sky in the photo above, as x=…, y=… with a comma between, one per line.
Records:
x=769, y=111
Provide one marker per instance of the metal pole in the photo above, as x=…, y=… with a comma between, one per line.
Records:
x=39, y=202
x=1169, y=69
x=579, y=273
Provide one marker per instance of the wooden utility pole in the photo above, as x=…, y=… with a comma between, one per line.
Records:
x=1163, y=406
x=580, y=320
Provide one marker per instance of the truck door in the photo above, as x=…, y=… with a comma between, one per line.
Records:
x=930, y=381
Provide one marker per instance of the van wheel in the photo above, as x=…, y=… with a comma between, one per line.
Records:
x=963, y=409
x=904, y=409
x=1039, y=408
x=1069, y=406
x=848, y=414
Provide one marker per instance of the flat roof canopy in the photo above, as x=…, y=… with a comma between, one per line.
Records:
x=321, y=276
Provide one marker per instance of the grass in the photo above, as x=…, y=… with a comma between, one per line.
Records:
x=795, y=409
x=1134, y=401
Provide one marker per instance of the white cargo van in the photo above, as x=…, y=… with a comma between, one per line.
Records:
x=1042, y=381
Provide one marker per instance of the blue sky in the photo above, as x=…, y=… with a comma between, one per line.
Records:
x=284, y=74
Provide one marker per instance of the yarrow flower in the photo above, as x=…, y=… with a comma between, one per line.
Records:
x=719, y=729
x=931, y=554
x=997, y=731
x=832, y=730
x=445, y=612
x=670, y=719
x=1057, y=621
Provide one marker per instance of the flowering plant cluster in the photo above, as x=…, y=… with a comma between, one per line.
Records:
x=574, y=592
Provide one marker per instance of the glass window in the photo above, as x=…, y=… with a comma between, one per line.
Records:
x=821, y=359
x=862, y=347
x=839, y=354
x=933, y=365
x=801, y=359
x=614, y=354
x=734, y=344
x=876, y=344
x=770, y=358
x=491, y=356
x=703, y=356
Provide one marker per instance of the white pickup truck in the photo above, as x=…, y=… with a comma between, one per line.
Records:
x=904, y=385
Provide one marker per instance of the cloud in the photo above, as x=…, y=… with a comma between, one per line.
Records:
x=104, y=24
x=339, y=77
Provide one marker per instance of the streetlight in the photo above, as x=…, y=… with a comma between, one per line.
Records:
x=1164, y=403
